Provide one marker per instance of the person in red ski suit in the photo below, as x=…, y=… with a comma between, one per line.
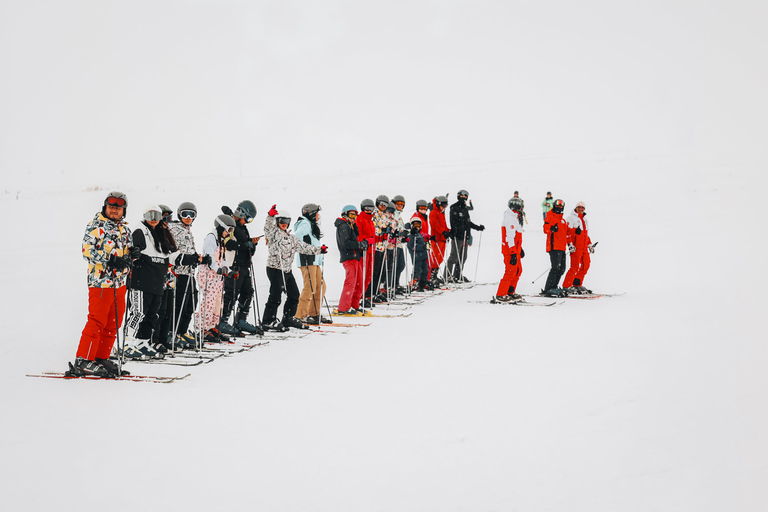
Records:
x=580, y=247
x=440, y=234
x=556, y=230
x=511, y=248
x=366, y=231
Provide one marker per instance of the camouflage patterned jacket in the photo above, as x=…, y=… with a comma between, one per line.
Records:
x=104, y=237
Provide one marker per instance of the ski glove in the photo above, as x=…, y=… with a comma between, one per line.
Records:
x=190, y=259
x=513, y=259
x=578, y=230
x=118, y=263
x=323, y=249
x=571, y=248
x=446, y=234
x=232, y=245
x=522, y=253
x=591, y=248
x=207, y=260
x=226, y=210
x=481, y=228
x=273, y=210
x=554, y=228
x=363, y=244
x=135, y=252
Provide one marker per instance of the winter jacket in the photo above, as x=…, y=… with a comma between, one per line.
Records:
x=511, y=233
x=546, y=205
x=580, y=240
x=150, y=269
x=437, y=224
x=212, y=248
x=303, y=231
x=241, y=245
x=399, y=225
x=185, y=242
x=424, y=223
x=460, y=221
x=365, y=227
x=385, y=228
x=556, y=240
x=416, y=242
x=104, y=237
x=347, y=240
x=283, y=246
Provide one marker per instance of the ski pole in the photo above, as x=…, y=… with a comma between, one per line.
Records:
x=256, y=313
x=541, y=275
x=365, y=253
x=312, y=291
x=322, y=286
x=181, y=309
x=477, y=262
x=120, y=348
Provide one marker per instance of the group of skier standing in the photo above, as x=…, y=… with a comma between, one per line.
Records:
x=167, y=281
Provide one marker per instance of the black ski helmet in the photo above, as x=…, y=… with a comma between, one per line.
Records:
x=515, y=204
x=390, y=207
x=382, y=199
x=185, y=206
x=462, y=193
x=310, y=209
x=115, y=198
x=366, y=203
x=166, y=211
x=558, y=206
x=245, y=210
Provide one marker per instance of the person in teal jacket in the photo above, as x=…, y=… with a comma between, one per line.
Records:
x=546, y=205
x=307, y=230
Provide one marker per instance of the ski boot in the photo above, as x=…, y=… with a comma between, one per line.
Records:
x=111, y=368
x=292, y=321
x=85, y=368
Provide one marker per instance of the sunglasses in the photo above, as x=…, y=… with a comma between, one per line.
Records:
x=153, y=215
x=188, y=214
x=116, y=201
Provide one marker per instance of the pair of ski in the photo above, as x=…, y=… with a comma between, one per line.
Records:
x=124, y=378
x=518, y=302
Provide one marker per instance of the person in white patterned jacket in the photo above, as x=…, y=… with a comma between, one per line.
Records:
x=283, y=247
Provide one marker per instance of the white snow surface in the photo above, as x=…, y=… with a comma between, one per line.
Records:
x=655, y=400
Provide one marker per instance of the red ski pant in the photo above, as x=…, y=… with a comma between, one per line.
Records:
x=101, y=327
x=511, y=276
x=353, y=285
x=579, y=265
x=367, y=261
x=437, y=254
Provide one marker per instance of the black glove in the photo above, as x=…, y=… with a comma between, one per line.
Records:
x=323, y=249
x=207, y=260
x=481, y=228
x=234, y=274
x=226, y=210
x=135, y=252
x=190, y=259
x=118, y=263
x=578, y=230
x=363, y=244
x=522, y=253
x=554, y=228
x=232, y=245
x=513, y=259
x=446, y=234
x=251, y=246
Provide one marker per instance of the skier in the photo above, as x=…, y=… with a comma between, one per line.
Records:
x=307, y=229
x=511, y=248
x=105, y=247
x=580, y=247
x=238, y=287
x=422, y=210
x=399, y=263
x=166, y=311
x=461, y=237
x=440, y=233
x=383, y=222
x=417, y=248
x=367, y=231
x=283, y=246
x=157, y=250
x=186, y=287
x=210, y=278
x=351, y=250
x=556, y=229
x=546, y=205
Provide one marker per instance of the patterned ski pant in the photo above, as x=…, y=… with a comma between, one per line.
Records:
x=211, y=286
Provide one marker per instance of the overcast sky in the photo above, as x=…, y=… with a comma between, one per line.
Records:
x=207, y=87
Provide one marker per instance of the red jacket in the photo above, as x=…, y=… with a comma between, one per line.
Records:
x=424, y=224
x=556, y=240
x=581, y=240
x=437, y=222
x=365, y=226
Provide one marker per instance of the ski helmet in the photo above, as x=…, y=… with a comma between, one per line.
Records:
x=515, y=204
x=390, y=207
x=462, y=193
x=367, y=203
x=416, y=218
x=382, y=199
x=153, y=212
x=558, y=206
x=224, y=221
x=398, y=199
x=441, y=201
x=581, y=203
x=245, y=210
x=116, y=199
x=310, y=209
x=186, y=206
x=167, y=212
x=283, y=217
x=421, y=204
x=347, y=210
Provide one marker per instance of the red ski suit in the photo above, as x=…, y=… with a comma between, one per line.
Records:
x=437, y=226
x=366, y=231
x=580, y=259
x=511, y=243
x=556, y=240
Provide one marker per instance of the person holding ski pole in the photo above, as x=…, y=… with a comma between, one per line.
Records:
x=210, y=277
x=238, y=287
x=283, y=247
x=461, y=237
x=351, y=250
x=417, y=248
x=399, y=202
x=367, y=231
x=186, y=287
x=512, y=250
x=556, y=230
x=105, y=246
x=438, y=227
x=307, y=229
x=579, y=247
x=382, y=221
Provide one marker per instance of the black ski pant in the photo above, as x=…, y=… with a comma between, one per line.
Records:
x=378, y=269
x=279, y=281
x=142, y=314
x=400, y=265
x=186, y=293
x=165, y=317
x=455, y=265
x=557, y=260
x=238, y=291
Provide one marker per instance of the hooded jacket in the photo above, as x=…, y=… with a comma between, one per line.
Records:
x=437, y=224
x=555, y=239
x=347, y=240
x=578, y=222
x=283, y=246
x=104, y=237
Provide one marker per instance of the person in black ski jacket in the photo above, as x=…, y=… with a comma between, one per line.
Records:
x=238, y=285
x=461, y=236
x=350, y=254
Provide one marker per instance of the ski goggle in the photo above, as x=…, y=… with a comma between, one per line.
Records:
x=401, y=204
x=188, y=214
x=167, y=216
x=153, y=215
x=116, y=201
x=283, y=220
x=367, y=209
x=352, y=214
